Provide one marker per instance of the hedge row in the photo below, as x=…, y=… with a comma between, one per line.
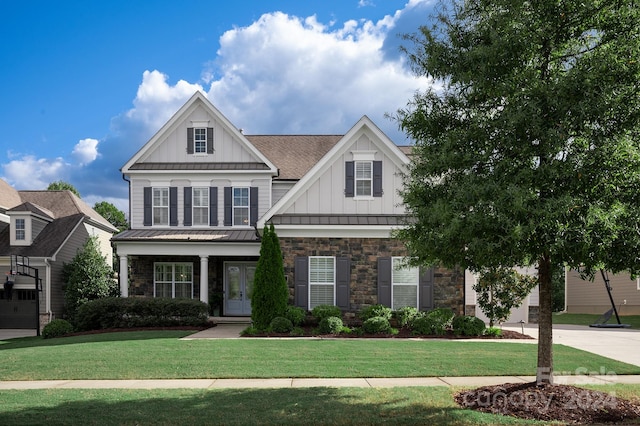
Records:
x=130, y=312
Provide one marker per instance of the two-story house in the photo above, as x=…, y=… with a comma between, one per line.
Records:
x=40, y=231
x=201, y=192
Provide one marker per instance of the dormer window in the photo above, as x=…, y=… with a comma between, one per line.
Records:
x=20, y=230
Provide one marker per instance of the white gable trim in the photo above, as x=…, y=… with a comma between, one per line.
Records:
x=382, y=142
x=197, y=98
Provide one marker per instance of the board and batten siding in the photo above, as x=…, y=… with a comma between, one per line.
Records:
x=327, y=194
x=173, y=146
x=590, y=297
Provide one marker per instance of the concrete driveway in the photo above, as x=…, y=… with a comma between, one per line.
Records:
x=12, y=333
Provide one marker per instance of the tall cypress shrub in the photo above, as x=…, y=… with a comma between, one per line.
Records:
x=270, y=293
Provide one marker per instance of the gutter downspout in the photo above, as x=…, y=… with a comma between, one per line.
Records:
x=47, y=299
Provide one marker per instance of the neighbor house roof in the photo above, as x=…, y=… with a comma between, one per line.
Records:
x=9, y=197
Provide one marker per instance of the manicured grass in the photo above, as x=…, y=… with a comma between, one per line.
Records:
x=161, y=354
x=586, y=319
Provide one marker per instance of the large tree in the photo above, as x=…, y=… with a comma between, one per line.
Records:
x=61, y=185
x=110, y=212
x=527, y=145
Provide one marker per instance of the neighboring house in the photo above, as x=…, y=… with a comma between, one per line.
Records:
x=201, y=192
x=591, y=297
x=527, y=312
x=47, y=228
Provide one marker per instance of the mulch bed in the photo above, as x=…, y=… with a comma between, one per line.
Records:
x=403, y=333
x=564, y=403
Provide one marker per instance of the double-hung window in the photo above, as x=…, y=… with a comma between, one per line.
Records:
x=174, y=280
x=201, y=206
x=404, y=288
x=200, y=140
x=20, y=229
x=160, y=206
x=322, y=280
x=240, y=206
x=363, y=178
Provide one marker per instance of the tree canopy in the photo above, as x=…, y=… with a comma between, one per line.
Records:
x=61, y=185
x=527, y=145
x=110, y=212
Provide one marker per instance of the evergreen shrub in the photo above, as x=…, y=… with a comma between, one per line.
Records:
x=295, y=314
x=377, y=325
x=467, y=325
x=375, y=311
x=325, y=311
x=330, y=325
x=281, y=325
x=57, y=328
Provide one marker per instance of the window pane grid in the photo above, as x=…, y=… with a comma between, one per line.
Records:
x=160, y=206
x=241, y=206
x=173, y=280
x=200, y=140
x=363, y=178
x=200, y=206
x=20, y=229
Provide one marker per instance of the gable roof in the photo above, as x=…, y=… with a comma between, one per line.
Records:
x=9, y=197
x=294, y=155
x=390, y=149
x=32, y=208
x=198, y=98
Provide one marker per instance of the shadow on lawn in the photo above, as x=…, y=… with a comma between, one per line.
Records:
x=238, y=406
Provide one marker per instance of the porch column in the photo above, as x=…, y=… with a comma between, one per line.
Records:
x=124, y=276
x=204, y=279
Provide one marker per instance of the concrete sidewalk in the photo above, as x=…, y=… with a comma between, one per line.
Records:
x=306, y=382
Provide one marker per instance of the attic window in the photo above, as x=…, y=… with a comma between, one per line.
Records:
x=20, y=229
x=200, y=140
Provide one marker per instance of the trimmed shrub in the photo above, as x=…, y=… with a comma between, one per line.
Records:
x=375, y=311
x=425, y=325
x=281, y=325
x=321, y=312
x=405, y=316
x=57, y=328
x=295, y=314
x=442, y=316
x=297, y=331
x=330, y=325
x=377, y=325
x=250, y=331
x=467, y=325
x=115, y=312
x=493, y=331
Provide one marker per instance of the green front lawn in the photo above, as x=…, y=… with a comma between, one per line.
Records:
x=161, y=354
x=586, y=319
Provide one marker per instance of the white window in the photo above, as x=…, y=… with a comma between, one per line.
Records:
x=404, y=288
x=201, y=206
x=20, y=229
x=322, y=281
x=240, y=206
x=200, y=140
x=160, y=206
x=174, y=280
x=364, y=178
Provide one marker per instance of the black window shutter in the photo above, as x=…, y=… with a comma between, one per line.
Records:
x=253, y=205
x=228, y=206
x=384, y=281
x=377, y=178
x=349, y=181
x=343, y=278
x=190, y=140
x=147, y=217
x=213, y=206
x=301, y=281
x=173, y=206
x=209, y=140
x=188, y=206
x=426, y=289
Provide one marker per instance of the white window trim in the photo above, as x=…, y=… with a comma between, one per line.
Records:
x=154, y=207
x=393, y=285
x=173, y=277
x=205, y=207
x=22, y=229
x=234, y=207
x=321, y=283
x=196, y=140
x=356, y=179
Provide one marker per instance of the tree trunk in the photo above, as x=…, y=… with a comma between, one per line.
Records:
x=544, y=373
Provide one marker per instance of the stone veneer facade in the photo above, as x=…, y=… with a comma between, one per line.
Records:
x=448, y=286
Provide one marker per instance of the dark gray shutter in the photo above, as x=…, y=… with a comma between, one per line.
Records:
x=343, y=278
x=213, y=206
x=377, y=178
x=228, y=206
x=426, y=289
x=209, y=140
x=147, y=205
x=253, y=205
x=188, y=206
x=384, y=281
x=173, y=206
x=190, y=140
x=301, y=281
x=349, y=181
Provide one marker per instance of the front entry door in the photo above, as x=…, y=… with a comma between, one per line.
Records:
x=238, y=281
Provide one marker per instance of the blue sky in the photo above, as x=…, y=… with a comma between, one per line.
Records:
x=84, y=84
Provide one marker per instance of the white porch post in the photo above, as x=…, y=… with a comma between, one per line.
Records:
x=124, y=276
x=204, y=279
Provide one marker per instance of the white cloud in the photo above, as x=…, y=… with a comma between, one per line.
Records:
x=85, y=151
x=29, y=172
